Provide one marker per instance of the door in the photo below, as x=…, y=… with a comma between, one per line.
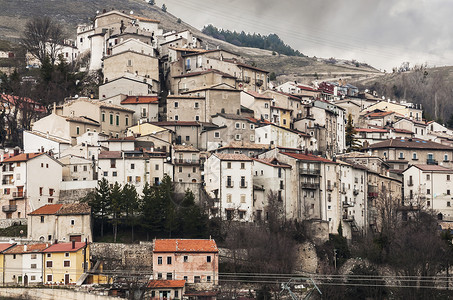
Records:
x=75, y=238
x=66, y=279
x=26, y=280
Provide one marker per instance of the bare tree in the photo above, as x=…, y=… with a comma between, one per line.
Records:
x=43, y=38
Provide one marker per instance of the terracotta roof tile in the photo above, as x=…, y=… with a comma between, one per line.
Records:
x=34, y=248
x=48, y=209
x=109, y=154
x=185, y=148
x=185, y=245
x=230, y=156
x=65, y=247
x=435, y=168
x=22, y=157
x=410, y=143
x=74, y=209
x=166, y=283
x=140, y=100
x=258, y=95
x=272, y=162
x=308, y=157
x=4, y=246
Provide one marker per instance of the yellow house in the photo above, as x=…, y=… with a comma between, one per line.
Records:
x=64, y=263
x=3, y=248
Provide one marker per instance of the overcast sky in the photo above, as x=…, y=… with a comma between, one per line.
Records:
x=383, y=33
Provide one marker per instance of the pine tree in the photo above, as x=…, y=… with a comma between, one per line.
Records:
x=100, y=201
x=351, y=141
x=131, y=206
x=117, y=206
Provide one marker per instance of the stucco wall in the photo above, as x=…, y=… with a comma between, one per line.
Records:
x=51, y=294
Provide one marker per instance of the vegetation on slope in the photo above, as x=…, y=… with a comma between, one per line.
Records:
x=268, y=42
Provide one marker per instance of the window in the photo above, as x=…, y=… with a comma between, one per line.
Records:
x=185, y=278
x=67, y=263
x=243, y=183
x=138, y=179
x=237, y=125
x=114, y=173
x=208, y=278
x=156, y=167
x=103, y=117
x=448, y=192
x=180, y=169
x=197, y=118
x=169, y=276
x=242, y=198
x=176, y=104
x=129, y=178
x=49, y=254
x=159, y=260
x=448, y=177
x=228, y=165
x=229, y=183
x=66, y=254
x=241, y=214
x=187, y=138
x=414, y=156
x=242, y=165
x=111, y=119
x=49, y=237
x=196, y=279
x=448, y=203
x=42, y=219
x=132, y=166
x=159, y=275
x=106, y=173
x=176, y=294
x=77, y=130
x=428, y=203
x=85, y=168
x=208, y=258
x=428, y=191
x=49, y=264
x=168, y=260
x=446, y=157
x=428, y=177
x=216, y=134
x=252, y=126
x=176, y=118
x=186, y=258
x=72, y=223
x=49, y=278
x=34, y=256
x=266, y=105
x=129, y=63
x=228, y=198
x=401, y=155
x=117, y=120
x=196, y=104
x=127, y=121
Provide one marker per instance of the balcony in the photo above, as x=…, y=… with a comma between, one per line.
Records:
x=348, y=218
x=246, y=79
x=243, y=185
x=355, y=192
x=229, y=184
x=410, y=183
x=372, y=194
x=330, y=188
x=9, y=208
x=314, y=172
x=347, y=204
x=187, y=161
x=342, y=191
x=309, y=185
x=18, y=195
x=431, y=161
x=259, y=82
x=7, y=182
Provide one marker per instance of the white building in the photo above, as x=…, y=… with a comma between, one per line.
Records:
x=229, y=180
x=76, y=168
x=429, y=187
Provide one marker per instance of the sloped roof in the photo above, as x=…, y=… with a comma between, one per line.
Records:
x=4, y=246
x=230, y=156
x=48, y=209
x=22, y=157
x=63, y=209
x=272, y=162
x=245, y=145
x=411, y=143
x=185, y=245
x=65, y=247
x=371, y=130
x=434, y=168
x=185, y=148
x=140, y=100
x=109, y=154
x=308, y=157
x=166, y=283
x=223, y=74
x=33, y=248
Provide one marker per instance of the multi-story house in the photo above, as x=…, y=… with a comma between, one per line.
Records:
x=198, y=80
x=29, y=181
x=408, y=110
x=429, y=187
x=419, y=128
x=126, y=85
x=146, y=108
x=259, y=103
x=401, y=151
x=4, y=247
x=23, y=264
x=274, y=179
x=186, y=108
x=286, y=101
x=186, y=160
x=76, y=168
x=64, y=263
x=195, y=261
x=35, y=141
x=229, y=181
x=284, y=137
x=60, y=222
x=238, y=128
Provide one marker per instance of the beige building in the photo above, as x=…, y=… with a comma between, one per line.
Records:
x=259, y=103
x=76, y=168
x=186, y=108
x=62, y=222
x=407, y=110
x=127, y=86
x=198, y=80
x=187, y=164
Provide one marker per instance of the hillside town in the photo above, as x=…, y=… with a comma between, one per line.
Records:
x=248, y=150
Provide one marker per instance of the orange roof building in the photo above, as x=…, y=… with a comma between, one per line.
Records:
x=189, y=260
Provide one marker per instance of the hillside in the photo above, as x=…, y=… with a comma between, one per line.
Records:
x=13, y=18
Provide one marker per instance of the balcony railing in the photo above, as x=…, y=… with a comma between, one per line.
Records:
x=309, y=185
x=329, y=188
x=347, y=204
x=348, y=218
x=243, y=185
x=259, y=82
x=9, y=208
x=7, y=182
x=18, y=195
x=410, y=183
x=246, y=79
x=229, y=184
x=355, y=192
x=372, y=194
x=181, y=161
x=431, y=161
x=305, y=171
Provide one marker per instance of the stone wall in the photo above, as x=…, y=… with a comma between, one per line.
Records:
x=130, y=256
x=307, y=259
x=53, y=294
x=4, y=223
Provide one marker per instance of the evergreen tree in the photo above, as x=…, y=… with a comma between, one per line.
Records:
x=351, y=141
x=117, y=206
x=166, y=201
x=193, y=220
x=100, y=201
x=131, y=206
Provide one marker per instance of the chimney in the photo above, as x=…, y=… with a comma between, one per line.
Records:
x=73, y=244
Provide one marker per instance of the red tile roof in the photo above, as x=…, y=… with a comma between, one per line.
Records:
x=272, y=162
x=409, y=143
x=109, y=154
x=370, y=130
x=22, y=157
x=379, y=114
x=166, y=283
x=258, y=95
x=230, y=156
x=18, y=249
x=65, y=247
x=435, y=168
x=204, y=72
x=185, y=245
x=140, y=100
x=309, y=157
x=4, y=246
x=48, y=209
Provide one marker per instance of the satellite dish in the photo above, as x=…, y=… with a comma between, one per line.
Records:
x=6, y=150
x=97, y=12
x=169, y=158
x=76, y=96
x=132, y=12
